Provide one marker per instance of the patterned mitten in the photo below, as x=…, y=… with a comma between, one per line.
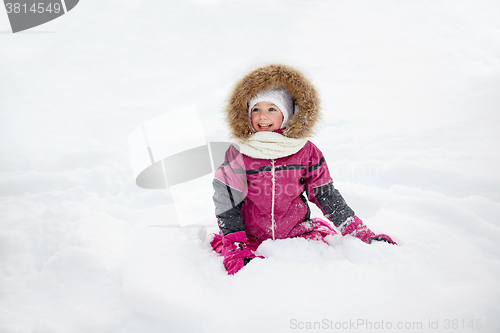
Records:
x=357, y=229
x=235, y=251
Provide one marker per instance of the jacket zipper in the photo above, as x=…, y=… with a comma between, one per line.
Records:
x=273, y=223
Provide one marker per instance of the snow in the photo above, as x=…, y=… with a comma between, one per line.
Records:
x=410, y=94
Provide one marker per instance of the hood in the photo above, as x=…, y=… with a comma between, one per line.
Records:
x=305, y=99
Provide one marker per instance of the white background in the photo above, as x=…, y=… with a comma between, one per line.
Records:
x=410, y=131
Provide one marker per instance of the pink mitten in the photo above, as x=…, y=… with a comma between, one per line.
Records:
x=357, y=229
x=235, y=251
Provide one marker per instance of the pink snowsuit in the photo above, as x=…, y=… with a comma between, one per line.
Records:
x=272, y=194
x=258, y=198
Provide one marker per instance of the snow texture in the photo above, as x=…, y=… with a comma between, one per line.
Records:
x=410, y=93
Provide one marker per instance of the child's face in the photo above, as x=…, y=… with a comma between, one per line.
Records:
x=266, y=116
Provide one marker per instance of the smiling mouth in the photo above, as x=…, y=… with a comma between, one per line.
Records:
x=265, y=125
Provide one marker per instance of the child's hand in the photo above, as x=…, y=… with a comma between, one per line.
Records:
x=236, y=253
x=382, y=238
x=357, y=229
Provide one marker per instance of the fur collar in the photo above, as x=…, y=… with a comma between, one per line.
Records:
x=305, y=97
x=269, y=145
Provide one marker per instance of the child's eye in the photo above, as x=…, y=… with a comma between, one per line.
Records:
x=255, y=110
x=272, y=109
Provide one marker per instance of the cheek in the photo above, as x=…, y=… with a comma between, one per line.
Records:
x=279, y=118
x=253, y=121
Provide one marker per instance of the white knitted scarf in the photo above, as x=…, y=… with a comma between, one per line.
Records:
x=269, y=145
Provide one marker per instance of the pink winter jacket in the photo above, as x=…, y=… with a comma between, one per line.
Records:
x=267, y=198
x=258, y=198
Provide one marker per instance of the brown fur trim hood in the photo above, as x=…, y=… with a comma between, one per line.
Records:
x=305, y=97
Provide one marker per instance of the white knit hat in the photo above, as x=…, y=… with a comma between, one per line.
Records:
x=279, y=97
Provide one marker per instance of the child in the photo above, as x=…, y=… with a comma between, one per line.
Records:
x=261, y=188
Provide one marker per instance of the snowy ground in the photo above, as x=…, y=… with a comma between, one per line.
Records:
x=411, y=94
